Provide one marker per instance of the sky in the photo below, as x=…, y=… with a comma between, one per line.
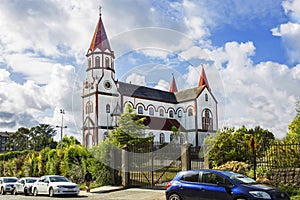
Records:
x=250, y=51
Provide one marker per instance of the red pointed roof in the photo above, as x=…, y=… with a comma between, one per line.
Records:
x=203, y=80
x=100, y=40
x=173, y=87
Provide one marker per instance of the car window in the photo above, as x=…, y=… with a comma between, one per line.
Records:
x=211, y=178
x=191, y=177
x=30, y=180
x=58, y=179
x=10, y=180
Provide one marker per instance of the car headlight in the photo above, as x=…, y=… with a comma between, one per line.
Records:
x=260, y=194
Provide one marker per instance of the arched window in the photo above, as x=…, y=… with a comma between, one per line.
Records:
x=161, y=138
x=140, y=110
x=97, y=62
x=161, y=112
x=89, y=63
x=171, y=137
x=105, y=135
x=151, y=111
x=206, y=97
x=190, y=112
x=89, y=107
x=171, y=114
x=179, y=113
x=207, y=120
x=107, y=108
x=106, y=62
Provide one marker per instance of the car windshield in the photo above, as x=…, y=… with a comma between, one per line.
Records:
x=10, y=180
x=58, y=179
x=239, y=178
x=30, y=180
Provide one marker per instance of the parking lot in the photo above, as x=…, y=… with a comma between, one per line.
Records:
x=119, y=194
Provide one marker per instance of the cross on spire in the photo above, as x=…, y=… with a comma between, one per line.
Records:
x=100, y=13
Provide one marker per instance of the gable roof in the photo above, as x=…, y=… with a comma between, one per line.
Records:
x=189, y=94
x=146, y=92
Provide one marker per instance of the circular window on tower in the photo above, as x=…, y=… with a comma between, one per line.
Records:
x=107, y=85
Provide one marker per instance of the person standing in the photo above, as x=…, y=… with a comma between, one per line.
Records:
x=88, y=178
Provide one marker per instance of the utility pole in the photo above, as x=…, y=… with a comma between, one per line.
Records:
x=62, y=112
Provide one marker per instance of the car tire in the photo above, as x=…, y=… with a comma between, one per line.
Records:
x=25, y=192
x=2, y=191
x=35, y=192
x=174, y=197
x=51, y=192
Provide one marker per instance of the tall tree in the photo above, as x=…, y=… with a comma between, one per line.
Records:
x=130, y=130
x=41, y=136
x=19, y=139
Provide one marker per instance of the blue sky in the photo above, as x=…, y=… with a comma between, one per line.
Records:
x=250, y=51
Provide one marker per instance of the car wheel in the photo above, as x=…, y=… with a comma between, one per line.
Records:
x=241, y=198
x=35, y=192
x=174, y=197
x=51, y=192
x=25, y=192
x=2, y=191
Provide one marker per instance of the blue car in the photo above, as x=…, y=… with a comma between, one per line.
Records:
x=223, y=185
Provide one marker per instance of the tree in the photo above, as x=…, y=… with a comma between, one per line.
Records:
x=130, y=130
x=19, y=139
x=294, y=127
x=233, y=145
x=41, y=136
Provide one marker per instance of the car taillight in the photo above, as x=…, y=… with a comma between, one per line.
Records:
x=169, y=185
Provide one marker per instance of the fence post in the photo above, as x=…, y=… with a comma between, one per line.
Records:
x=115, y=160
x=185, y=156
x=125, y=167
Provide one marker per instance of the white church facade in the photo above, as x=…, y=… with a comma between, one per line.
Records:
x=192, y=111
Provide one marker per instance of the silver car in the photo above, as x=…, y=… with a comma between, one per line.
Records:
x=54, y=185
x=7, y=184
x=24, y=185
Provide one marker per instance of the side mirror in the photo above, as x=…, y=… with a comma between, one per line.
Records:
x=46, y=181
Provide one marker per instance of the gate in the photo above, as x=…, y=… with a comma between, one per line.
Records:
x=154, y=167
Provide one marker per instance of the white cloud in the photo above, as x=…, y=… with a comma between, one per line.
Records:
x=289, y=33
x=136, y=79
x=292, y=8
x=162, y=85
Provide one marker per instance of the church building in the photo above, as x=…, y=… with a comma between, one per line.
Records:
x=192, y=111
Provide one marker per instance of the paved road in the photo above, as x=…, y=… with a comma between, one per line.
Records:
x=126, y=194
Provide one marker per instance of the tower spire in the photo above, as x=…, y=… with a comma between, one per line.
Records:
x=100, y=39
x=203, y=80
x=173, y=87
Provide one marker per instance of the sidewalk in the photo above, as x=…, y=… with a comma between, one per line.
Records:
x=120, y=193
x=102, y=189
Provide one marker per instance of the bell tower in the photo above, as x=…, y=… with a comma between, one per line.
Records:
x=99, y=87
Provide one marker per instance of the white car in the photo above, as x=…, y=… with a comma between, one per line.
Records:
x=7, y=184
x=54, y=185
x=24, y=185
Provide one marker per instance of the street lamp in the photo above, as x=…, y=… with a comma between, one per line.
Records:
x=62, y=112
